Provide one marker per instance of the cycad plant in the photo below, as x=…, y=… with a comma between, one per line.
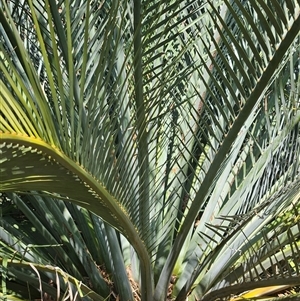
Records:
x=149, y=150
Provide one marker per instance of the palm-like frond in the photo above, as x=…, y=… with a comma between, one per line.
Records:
x=43, y=235
x=164, y=119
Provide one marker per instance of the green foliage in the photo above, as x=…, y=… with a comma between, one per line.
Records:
x=148, y=149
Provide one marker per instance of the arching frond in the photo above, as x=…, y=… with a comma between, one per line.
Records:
x=166, y=119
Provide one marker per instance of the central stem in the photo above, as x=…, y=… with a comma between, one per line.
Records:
x=143, y=160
